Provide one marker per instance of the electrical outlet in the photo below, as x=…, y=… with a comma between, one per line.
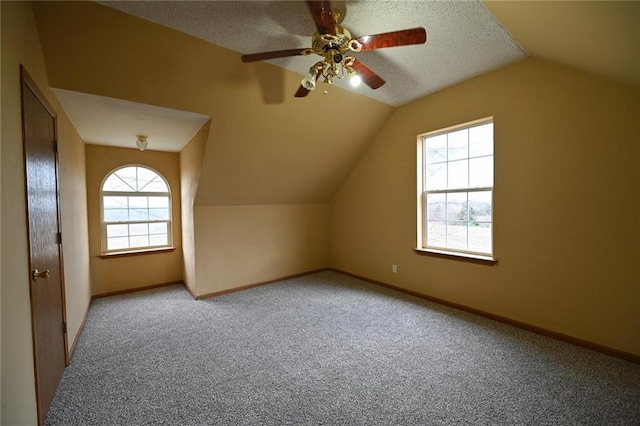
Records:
x=394, y=269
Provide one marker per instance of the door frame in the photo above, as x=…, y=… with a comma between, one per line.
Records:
x=27, y=83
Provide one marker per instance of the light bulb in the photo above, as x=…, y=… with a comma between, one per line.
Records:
x=355, y=80
x=309, y=80
x=142, y=142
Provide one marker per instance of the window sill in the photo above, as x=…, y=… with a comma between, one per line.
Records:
x=136, y=252
x=465, y=257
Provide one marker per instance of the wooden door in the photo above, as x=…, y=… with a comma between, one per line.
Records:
x=39, y=127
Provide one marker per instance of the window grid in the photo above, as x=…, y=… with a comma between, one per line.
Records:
x=136, y=210
x=457, y=201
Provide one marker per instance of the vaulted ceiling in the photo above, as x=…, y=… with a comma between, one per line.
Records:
x=464, y=39
x=264, y=145
x=599, y=37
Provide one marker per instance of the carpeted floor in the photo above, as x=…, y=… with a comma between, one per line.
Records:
x=327, y=349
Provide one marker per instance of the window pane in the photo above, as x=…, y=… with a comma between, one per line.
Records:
x=117, y=230
x=158, y=240
x=138, y=214
x=436, y=206
x=116, y=215
x=156, y=185
x=457, y=206
x=149, y=181
x=436, y=176
x=458, y=147
x=114, y=202
x=458, y=174
x=481, y=140
x=480, y=237
x=436, y=233
x=139, y=241
x=481, y=172
x=145, y=176
x=457, y=235
x=138, y=202
x=127, y=177
x=116, y=182
x=435, y=149
x=158, y=228
x=159, y=201
x=480, y=206
x=117, y=243
x=158, y=214
x=138, y=229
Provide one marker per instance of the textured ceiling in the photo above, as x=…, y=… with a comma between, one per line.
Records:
x=464, y=39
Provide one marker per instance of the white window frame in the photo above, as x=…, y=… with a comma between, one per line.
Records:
x=422, y=241
x=103, y=223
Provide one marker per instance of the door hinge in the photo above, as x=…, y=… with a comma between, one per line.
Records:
x=64, y=327
x=58, y=237
x=55, y=146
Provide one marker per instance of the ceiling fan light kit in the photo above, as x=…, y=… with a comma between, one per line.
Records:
x=309, y=80
x=333, y=42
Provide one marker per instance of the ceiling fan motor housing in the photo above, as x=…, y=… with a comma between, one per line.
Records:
x=340, y=42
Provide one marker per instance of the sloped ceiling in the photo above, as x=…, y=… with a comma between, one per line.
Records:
x=599, y=37
x=266, y=147
x=464, y=39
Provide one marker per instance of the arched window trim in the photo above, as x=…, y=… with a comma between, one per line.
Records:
x=141, y=195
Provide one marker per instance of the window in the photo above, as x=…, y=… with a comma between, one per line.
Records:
x=136, y=210
x=455, y=184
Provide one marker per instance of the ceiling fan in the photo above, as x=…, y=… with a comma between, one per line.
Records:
x=333, y=42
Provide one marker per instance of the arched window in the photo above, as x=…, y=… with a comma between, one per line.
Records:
x=136, y=210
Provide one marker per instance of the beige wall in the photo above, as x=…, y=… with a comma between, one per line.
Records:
x=20, y=45
x=266, y=151
x=129, y=272
x=190, y=166
x=75, y=229
x=241, y=245
x=265, y=146
x=567, y=193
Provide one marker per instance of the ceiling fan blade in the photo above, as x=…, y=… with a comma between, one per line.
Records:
x=301, y=92
x=253, y=57
x=394, y=38
x=323, y=17
x=369, y=77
